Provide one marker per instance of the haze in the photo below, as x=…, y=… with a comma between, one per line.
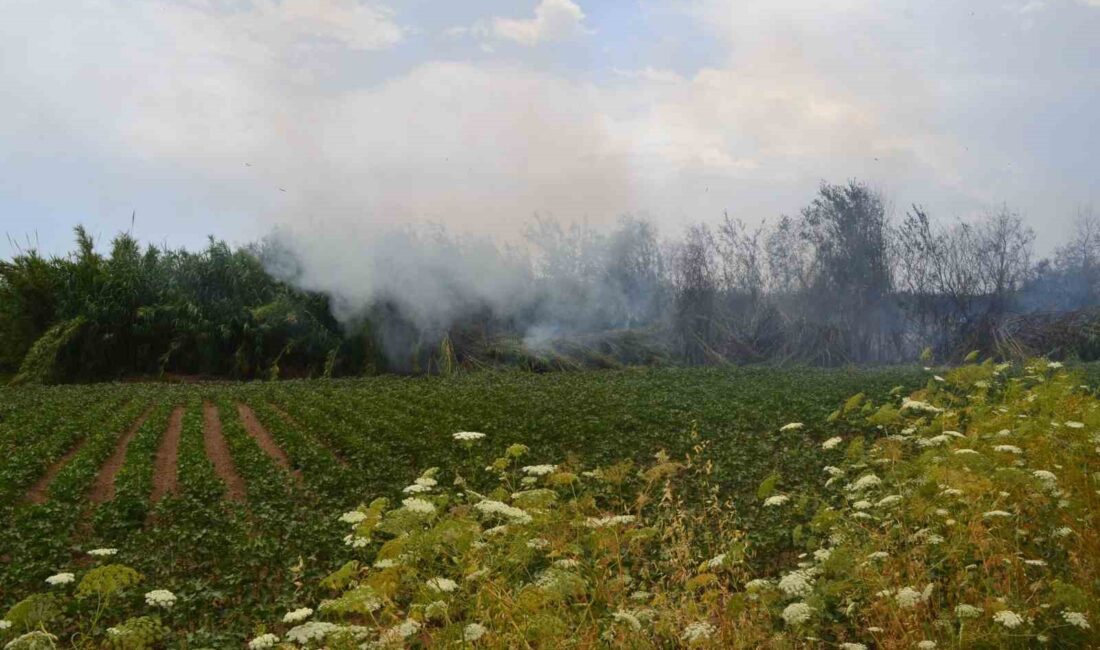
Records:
x=335, y=116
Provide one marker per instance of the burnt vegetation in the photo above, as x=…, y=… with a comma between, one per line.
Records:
x=842, y=282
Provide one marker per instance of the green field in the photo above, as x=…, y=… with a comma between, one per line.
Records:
x=231, y=558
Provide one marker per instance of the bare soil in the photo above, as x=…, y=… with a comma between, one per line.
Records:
x=39, y=492
x=263, y=438
x=165, y=474
x=103, y=490
x=218, y=453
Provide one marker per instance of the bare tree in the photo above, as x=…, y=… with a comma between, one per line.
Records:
x=695, y=277
x=789, y=264
x=743, y=258
x=1079, y=260
x=1004, y=247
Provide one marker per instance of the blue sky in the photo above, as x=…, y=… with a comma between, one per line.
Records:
x=335, y=116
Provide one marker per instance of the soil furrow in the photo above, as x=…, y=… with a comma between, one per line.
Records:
x=263, y=438
x=39, y=492
x=165, y=474
x=103, y=490
x=218, y=452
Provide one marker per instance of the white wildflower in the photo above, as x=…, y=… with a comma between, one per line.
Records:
x=445, y=585
x=473, y=632
x=908, y=597
x=416, y=488
x=916, y=405
x=499, y=508
x=797, y=583
x=996, y=513
x=852, y=646
x=1076, y=619
x=926, y=645
x=263, y=641
x=1008, y=618
x=833, y=471
x=823, y=554
x=952, y=492
x=436, y=610
x=889, y=501
x=160, y=598
x=758, y=584
x=607, y=522
x=353, y=517
x=967, y=611
x=1055, y=365
x=1064, y=531
x=103, y=552
x=418, y=506
x=1047, y=477
x=717, y=561
x=467, y=436
x=399, y=632
x=60, y=579
x=1075, y=425
x=540, y=470
x=297, y=615
x=627, y=617
x=4, y=623
x=793, y=426
x=538, y=543
x=965, y=451
x=1008, y=449
x=776, y=500
x=878, y=555
x=311, y=631
x=698, y=631
x=864, y=482
x=832, y=443
x=862, y=504
x=567, y=563
x=797, y=613
x=385, y=563
x=934, y=441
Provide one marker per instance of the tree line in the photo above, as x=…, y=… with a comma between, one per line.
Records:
x=840, y=282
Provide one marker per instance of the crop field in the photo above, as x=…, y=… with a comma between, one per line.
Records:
x=217, y=515
x=228, y=494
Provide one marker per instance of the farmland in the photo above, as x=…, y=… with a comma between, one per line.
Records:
x=229, y=546
x=237, y=499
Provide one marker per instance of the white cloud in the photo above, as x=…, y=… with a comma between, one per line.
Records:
x=788, y=98
x=356, y=25
x=554, y=20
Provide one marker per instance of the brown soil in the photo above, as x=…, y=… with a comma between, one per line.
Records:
x=289, y=419
x=218, y=453
x=40, y=490
x=103, y=489
x=264, y=439
x=165, y=477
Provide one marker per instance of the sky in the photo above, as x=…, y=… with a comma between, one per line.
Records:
x=232, y=118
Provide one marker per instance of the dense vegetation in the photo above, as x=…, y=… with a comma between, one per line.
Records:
x=641, y=509
x=234, y=561
x=840, y=283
